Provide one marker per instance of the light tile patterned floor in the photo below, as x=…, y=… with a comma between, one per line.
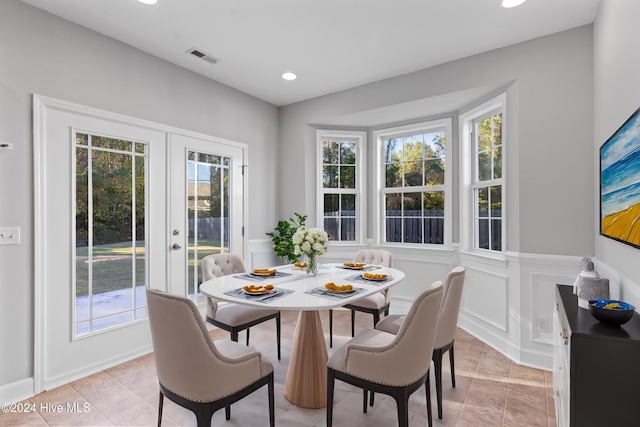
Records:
x=490, y=391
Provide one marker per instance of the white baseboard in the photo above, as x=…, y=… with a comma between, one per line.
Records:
x=17, y=391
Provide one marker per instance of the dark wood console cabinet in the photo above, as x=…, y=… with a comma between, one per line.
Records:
x=596, y=367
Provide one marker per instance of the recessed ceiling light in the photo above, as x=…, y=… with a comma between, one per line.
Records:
x=512, y=3
x=148, y=1
x=289, y=76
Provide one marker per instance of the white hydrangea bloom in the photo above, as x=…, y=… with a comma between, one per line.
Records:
x=310, y=242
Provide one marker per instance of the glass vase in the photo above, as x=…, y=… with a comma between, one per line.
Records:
x=312, y=265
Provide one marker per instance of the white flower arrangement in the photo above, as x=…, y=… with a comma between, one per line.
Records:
x=311, y=242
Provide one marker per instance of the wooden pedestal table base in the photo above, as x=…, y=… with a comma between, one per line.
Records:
x=306, y=382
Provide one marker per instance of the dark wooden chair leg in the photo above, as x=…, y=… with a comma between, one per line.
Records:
x=437, y=364
x=160, y=403
x=371, y=398
x=364, y=400
x=203, y=416
x=427, y=386
x=272, y=412
x=330, y=328
x=227, y=412
x=353, y=323
x=234, y=335
x=376, y=319
x=402, y=401
x=330, y=384
x=278, y=333
x=453, y=369
x=247, y=336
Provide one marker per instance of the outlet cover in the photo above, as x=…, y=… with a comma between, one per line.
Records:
x=9, y=235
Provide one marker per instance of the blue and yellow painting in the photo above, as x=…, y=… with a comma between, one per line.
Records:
x=620, y=183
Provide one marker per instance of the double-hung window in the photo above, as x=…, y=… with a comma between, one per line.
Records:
x=483, y=177
x=487, y=184
x=341, y=183
x=414, y=196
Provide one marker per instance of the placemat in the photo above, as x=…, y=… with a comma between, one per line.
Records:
x=371, y=267
x=359, y=279
x=319, y=291
x=250, y=277
x=267, y=298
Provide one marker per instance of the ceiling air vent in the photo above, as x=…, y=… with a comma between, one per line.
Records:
x=198, y=53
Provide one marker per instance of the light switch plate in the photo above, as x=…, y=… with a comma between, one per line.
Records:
x=9, y=235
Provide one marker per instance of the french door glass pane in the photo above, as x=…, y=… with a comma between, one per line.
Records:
x=207, y=207
x=110, y=224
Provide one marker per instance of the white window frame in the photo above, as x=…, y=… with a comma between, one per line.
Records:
x=379, y=136
x=360, y=138
x=468, y=226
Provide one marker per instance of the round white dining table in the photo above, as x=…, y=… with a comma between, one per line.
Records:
x=305, y=384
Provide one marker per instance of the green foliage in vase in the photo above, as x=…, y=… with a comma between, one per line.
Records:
x=282, y=237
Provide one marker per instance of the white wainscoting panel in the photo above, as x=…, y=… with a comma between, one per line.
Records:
x=507, y=303
x=486, y=298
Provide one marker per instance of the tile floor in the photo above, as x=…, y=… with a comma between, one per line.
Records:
x=490, y=391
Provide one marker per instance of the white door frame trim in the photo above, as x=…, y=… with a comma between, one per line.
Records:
x=40, y=105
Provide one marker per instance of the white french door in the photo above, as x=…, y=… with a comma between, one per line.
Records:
x=207, y=213
x=120, y=204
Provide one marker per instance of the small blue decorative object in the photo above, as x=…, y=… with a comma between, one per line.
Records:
x=611, y=312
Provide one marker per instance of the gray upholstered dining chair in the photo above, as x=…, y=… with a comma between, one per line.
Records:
x=233, y=317
x=375, y=304
x=381, y=362
x=447, y=324
x=195, y=372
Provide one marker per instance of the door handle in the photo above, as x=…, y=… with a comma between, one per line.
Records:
x=176, y=246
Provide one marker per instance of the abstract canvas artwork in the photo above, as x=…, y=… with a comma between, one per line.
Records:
x=620, y=183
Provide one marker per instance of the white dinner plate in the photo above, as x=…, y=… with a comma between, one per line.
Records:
x=376, y=279
x=264, y=273
x=331, y=291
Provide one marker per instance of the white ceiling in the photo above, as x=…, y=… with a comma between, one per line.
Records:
x=331, y=45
